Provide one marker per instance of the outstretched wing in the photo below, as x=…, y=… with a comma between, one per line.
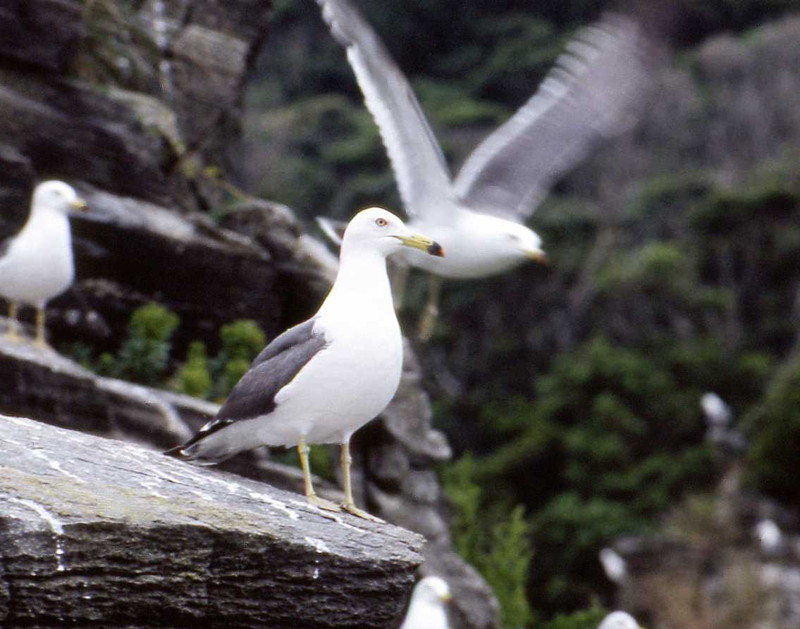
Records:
x=275, y=367
x=419, y=166
x=593, y=92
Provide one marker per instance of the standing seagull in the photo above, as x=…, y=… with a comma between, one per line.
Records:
x=36, y=264
x=321, y=380
x=592, y=93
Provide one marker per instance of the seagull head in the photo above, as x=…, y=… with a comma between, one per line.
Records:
x=619, y=620
x=524, y=241
x=56, y=196
x=432, y=590
x=379, y=229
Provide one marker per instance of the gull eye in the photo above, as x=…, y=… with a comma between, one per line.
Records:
x=381, y=222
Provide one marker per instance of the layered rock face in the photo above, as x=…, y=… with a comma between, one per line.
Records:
x=138, y=105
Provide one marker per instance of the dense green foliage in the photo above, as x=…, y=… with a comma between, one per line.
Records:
x=496, y=542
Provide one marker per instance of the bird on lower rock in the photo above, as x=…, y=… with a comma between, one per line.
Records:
x=428, y=606
x=619, y=620
x=36, y=265
x=321, y=380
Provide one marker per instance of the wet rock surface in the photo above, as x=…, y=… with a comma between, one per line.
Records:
x=98, y=531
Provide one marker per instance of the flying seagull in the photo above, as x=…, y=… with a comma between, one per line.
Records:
x=619, y=620
x=592, y=93
x=36, y=264
x=321, y=380
x=428, y=607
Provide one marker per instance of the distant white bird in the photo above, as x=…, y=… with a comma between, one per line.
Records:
x=323, y=379
x=428, y=607
x=614, y=565
x=618, y=620
x=769, y=536
x=36, y=264
x=717, y=412
x=478, y=218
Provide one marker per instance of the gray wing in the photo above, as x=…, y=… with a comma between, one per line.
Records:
x=593, y=92
x=274, y=368
x=5, y=245
x=419, y=166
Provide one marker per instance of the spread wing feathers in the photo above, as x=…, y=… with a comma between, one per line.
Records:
x=333, y=229
x=593, y=92
x=419, y=166
x=254, y=395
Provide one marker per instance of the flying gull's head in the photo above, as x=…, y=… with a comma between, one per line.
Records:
x=524, y=241
x=376, y=228
x=56, y=196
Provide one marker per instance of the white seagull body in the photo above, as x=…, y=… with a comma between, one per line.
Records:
x=321, y=380
x=478, y=217
x=427, y=609
x=37, y=265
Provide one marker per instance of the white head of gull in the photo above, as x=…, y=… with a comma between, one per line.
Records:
x=428, y=606
x=619, y=620
x=593, y=92
x=321, y=380
x=36, y=265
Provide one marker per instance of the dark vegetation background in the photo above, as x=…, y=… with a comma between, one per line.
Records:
x=570, y=393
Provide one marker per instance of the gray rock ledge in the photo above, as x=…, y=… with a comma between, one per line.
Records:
x=104, y=533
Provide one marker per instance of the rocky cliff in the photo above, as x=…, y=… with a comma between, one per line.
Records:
x=138, y=106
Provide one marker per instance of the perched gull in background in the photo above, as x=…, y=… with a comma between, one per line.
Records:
x=614, y=565
x=478, y=217
x=717, y=412
x=36, y=264
x=618, y=620
x=769, y=536
x=321, y=380
x=428, y=607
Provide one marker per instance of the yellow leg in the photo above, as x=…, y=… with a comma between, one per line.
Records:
x=431, y=312
x=399, y=281
x=311, y=495
x=40, y=339
x=349, y=504
x=12, y=334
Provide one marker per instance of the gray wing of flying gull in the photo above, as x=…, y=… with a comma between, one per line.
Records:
x=593, y=92
x=274, y=368
x=419, y=166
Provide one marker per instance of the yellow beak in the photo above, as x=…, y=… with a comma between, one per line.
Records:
x=537, y=255
x=80, y=205
x=422, y=243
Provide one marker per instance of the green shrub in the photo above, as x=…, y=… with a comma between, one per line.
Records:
x=194, y=377
x=242, y=341
x=493, y=538
x=144, y=355
x=586, y=619
x=773, y=427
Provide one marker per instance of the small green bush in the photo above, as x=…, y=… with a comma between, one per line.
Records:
x=194, y=377
x=242, y=341
x=144, y=355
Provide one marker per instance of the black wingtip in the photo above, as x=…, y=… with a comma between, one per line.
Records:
x=436, y=250
x=176, y=452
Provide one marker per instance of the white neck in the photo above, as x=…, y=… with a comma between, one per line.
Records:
x=363, y=279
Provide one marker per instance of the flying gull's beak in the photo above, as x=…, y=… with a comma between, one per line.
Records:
x=537, y=255
x=423, y=244
x=80, y=205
